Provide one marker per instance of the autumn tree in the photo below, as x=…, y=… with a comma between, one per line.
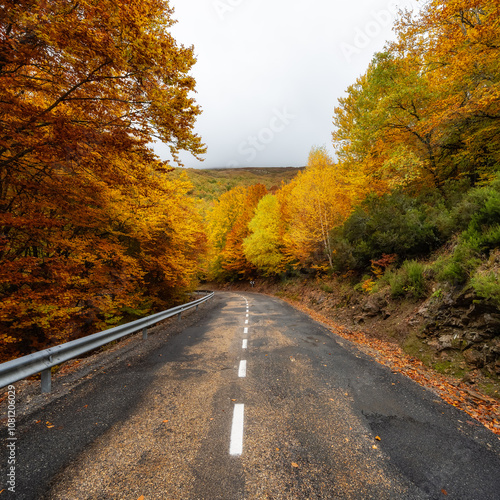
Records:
x=316, y=201
x=227, y=227
x=264, y=246
x=426, y=111
x=92, y=226
x=458, y=47
x=233, y=254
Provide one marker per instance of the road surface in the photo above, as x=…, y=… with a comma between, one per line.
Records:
x=254, y=400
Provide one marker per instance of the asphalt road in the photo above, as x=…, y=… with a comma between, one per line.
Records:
x=307, y=416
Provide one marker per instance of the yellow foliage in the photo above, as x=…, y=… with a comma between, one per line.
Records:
x=316, y=201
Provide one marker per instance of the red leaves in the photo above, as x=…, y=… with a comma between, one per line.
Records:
x=94, y=228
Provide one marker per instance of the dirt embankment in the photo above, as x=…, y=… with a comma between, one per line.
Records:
x=449, y=343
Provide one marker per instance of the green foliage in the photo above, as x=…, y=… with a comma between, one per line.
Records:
x=412, y=227
x=487, y=285
x=415, y=281
x=478, y=215
x=210, y=184
x=390, y=224
x=457, y=268
x=409, y=280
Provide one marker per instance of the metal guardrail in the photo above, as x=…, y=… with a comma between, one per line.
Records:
x=42, y=361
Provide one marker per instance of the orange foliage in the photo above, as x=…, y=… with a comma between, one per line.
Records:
x=92, y=226
x=427, y=110
x=227, y=227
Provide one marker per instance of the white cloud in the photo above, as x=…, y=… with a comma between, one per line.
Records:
x=258, y=56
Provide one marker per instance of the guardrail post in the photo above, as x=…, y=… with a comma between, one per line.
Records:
x=46, y=381
x=196, y=307
x=42, y=361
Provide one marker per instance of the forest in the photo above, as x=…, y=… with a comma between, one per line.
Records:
x=96, y=230
x=417, y=154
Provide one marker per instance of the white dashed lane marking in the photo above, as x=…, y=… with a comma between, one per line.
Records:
x=236, y=446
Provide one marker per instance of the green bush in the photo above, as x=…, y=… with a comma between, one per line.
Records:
x=409, y=280
x=397, y=281
x=487, y=285
x=394, y=223
x=413, y=227
x=415, y=280
x=459, y=266
x=478, y=215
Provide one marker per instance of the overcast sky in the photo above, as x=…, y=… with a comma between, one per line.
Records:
x=269, y=72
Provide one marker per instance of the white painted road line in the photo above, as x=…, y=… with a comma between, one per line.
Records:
x=246, y=322
x=245, y=343
x=242, y=371
x=247, y=315
x=245, y=330
x=236, y=446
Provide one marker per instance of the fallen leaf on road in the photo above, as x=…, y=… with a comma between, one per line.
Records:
x=49, y=426
x=483, y=408
x=277, y=449
x=375, y=447
x=165, y=421
x=141, y=497
x=377, y=438
x=444, y=492
x=294, y=464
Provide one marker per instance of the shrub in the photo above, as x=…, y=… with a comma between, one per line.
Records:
x=390, y=224
x=415, y=281
x=458, y=267
x=487, y=285
x=409, y=280
x=396, y=280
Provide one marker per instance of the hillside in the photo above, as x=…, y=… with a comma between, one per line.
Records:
x=209, y=184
